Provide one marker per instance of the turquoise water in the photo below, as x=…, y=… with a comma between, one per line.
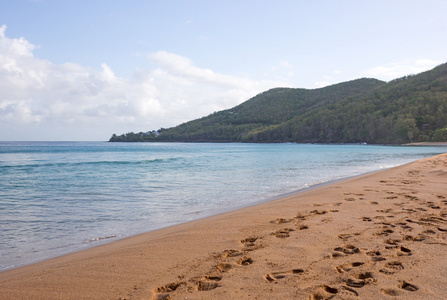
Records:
x=59, y=197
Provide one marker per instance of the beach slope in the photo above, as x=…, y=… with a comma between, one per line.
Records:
x=381, y=235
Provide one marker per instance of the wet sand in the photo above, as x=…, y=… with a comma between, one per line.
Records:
x=381, y=235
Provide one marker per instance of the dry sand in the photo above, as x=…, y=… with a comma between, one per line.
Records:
x=377, y=236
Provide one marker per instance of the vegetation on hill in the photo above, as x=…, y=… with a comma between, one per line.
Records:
x=408, y=109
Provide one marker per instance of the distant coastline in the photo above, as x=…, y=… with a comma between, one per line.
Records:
x=405, y=110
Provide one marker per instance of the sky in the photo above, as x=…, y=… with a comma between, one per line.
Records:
x=83, y=70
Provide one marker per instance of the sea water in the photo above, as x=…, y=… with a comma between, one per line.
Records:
x=60, y=197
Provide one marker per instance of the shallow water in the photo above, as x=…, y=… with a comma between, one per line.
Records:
x=59, y=197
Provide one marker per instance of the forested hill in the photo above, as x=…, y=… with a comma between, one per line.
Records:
x=408, y=109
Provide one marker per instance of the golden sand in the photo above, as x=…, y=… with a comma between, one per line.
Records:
x=377, y=236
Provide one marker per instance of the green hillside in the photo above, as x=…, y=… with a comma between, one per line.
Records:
x=408, y=109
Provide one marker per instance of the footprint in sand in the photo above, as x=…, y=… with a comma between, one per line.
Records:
x=244, y=261
x=407, y=286
x=410, y=182
x=432, y=220
x=279, y=275
x=429, y=231
x=348, y=267
x=162, y=293
x=302, y=227
x=387, y=210
x=403, y=285
x=348, y=249
x=410, y=210
x=412, y=221
x=391, y=243
x=329, y=289
x=416, y=238
x=342, y=292
x=206, y=286
x=212, y=278
x=411, y=197
x=224, y=267
x=208, y=282
x=355, y=283
x=230, y=253
x=345, y=236
x=169, y=287
x=387, y=225
x=366, y=276
x=391, y=267
x=404, y=225
x=348, y=194
x=384, y=232
x=403, y=251
x=318, y=212
x=300, y=216
x=434, y=206
x=375, y=255
x=283, y=233
x=248, y=242
x=336, y=255
x=280, y=221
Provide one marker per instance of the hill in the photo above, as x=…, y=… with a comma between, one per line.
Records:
x=408, y=109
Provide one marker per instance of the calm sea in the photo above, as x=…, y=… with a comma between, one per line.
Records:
x=60, y=197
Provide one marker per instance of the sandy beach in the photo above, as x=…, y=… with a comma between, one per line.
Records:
x=381, y=235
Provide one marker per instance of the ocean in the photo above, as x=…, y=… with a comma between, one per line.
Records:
x=61, y=197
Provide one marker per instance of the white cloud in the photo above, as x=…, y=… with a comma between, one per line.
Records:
x=188, y=91
x=43, y=100
x=2, y=31
x=320, y=84
x=183, y=68
x=396, y=70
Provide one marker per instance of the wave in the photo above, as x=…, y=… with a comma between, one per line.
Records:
x=101, y=238
x=88, y=163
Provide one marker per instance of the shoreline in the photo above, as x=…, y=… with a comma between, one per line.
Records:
x=296, y=246
x=436, y=144
x=104, y=240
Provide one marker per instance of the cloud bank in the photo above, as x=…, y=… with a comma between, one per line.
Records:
x=396, y=70
x=40, y=100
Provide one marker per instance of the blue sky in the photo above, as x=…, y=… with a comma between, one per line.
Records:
x=83, y=70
